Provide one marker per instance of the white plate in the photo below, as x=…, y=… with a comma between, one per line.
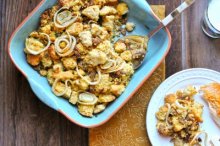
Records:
x=181, y=80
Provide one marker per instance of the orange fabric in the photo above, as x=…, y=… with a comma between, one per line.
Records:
x=128, y=126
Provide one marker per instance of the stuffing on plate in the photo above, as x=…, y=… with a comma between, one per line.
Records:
x=179, y=118
x=73, y=48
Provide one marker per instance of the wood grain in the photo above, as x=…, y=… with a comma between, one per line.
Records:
x=173, y=60
x=200, y=50
x=25, y=121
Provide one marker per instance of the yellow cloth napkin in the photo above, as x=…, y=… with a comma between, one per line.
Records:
x=128, y=127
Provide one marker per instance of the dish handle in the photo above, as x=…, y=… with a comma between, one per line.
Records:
x=42, y=95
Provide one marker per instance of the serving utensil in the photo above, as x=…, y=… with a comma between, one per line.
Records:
x=142, y=41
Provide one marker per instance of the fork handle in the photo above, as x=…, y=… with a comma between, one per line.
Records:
x=177, y=12
x=186, y=4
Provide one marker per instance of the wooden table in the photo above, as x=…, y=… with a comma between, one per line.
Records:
x=25, y=121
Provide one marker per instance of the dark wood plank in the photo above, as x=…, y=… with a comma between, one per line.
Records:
x=173, y=60
x=198, y=49
x=24, y=120
x=1, y=76
x=190, y=48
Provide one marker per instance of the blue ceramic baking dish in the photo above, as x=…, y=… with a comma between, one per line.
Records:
x=145, y=20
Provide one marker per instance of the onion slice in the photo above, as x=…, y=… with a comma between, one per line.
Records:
x=70, y=45
x=179, y=105
x=40, y=51
x=87, y=98
x=54, y=85
x=91, y=22
x=197, y=134
x=68, y=19
x=118, y=65
x=117, y=69
x=167, y=115
x=89, y=82
x=110, y=63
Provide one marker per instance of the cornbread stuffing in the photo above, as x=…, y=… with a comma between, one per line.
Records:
x=73, y=48
x=130, y=26
x=179, y=117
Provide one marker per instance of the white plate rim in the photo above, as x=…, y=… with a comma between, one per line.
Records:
x=182, y=75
